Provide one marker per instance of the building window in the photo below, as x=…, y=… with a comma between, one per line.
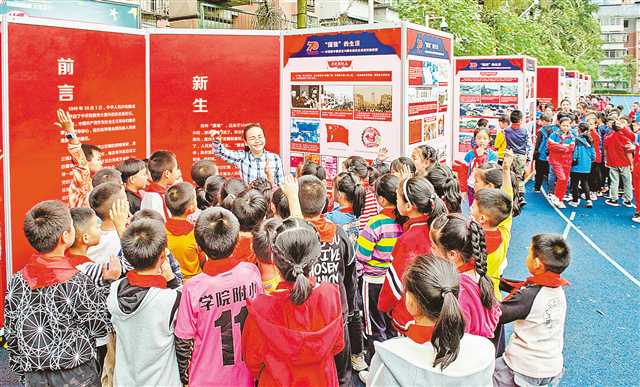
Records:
x=626, y=23
x=615, y=38
x=615, y=54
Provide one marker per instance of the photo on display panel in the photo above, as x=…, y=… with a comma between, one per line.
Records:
x=305, y=96
x=337, y=97
x=374, y=99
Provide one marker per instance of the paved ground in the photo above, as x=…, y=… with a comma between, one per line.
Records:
x=602, y=338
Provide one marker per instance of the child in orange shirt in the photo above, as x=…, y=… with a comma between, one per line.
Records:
x=250, y=207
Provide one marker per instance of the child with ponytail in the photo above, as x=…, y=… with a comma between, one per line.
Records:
x=416, y=200
x=373, y=252
x=435, y=351
x=462, y=242
x=290, y=337
x=349, y=193
x=446, y=186
x=360, y=167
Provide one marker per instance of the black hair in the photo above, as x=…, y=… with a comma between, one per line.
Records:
x=495, y=204
x=147, y=213
x=386, y=187
x=102, y=198
x=358, y=166
x=209, y=196
x=143, y=242
x=89, y=149
x=250, y=208
x=516, y=116
x=160, y=162
x=45, y=223
x=202, y=170
x=130, y=167
x=296, y=247
x=584, y=130
x=504, y=118
x=265, y=188
x=262, y=238
x=81, y=217
x=230, y=191
x=482, y=123
x=428, y=153
x=421, y=194
x=564, y=118
x=435, y=286
x=312, y=168
x=106, y=175
x=351, y=186
x=601, y=116
x=178, y=198
x=312, y=195
x=552, y=250
x=446, y=186
x=546, y=117
x=281, y=203
x=397, y=164
x=455, y=233
x=216, y=232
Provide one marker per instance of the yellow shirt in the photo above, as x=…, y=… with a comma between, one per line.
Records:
x=497, y=259
x=181, y=241
x=500, y=144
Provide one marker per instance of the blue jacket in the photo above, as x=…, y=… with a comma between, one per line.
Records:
x=603, y=130
x=541, y=151
x=584, y=154
x=517, y=139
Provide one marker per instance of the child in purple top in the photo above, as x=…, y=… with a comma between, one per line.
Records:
x=462, y=242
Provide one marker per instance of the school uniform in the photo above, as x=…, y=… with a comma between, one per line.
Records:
x=478, y=320
x=540, y=154
x=615, y=147
x=517, y=139
x=583, y=157
x=595, y=177
x=474, y=160
x=153, y=199
x=285, y=344
x=413, y=242
x=561, y=159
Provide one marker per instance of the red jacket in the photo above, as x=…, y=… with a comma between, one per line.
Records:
x=615, y=148
x=284, y=344
x=414, y=242
x=596, y=145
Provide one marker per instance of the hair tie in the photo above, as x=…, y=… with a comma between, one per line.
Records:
x=298, y=270
x=445, y=291
x=232, y=196
x=404, y=191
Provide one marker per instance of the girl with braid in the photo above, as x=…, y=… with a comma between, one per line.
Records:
x=291, y=336
x=462, y=242
x=435, y=351
x=446, y=186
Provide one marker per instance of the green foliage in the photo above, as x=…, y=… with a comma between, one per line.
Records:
x=617, y=72
x=558, y=32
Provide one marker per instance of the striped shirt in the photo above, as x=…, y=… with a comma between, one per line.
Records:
x=376, y=242
x=371, y=208
x=250, y=166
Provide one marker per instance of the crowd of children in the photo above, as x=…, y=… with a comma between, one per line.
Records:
x=149, y=280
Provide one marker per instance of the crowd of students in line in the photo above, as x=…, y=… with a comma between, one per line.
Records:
x=578, y=155
x=143, y=279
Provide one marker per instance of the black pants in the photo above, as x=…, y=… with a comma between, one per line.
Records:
x=378, y=325
x=343, y=361
x=542, y=172
x=604, y=172
x=355, y=324
x=85, y=374
x=595, y=177
x=499, y=340
x=579, y=182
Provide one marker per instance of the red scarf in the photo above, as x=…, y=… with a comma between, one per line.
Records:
x=389, y=212
x=477, y=159
x=287, y=285
x=548, y=279
x=419, y=219
x=326, y=230
x=155, y=187
x=146, y=280
x=493, y=239
x=420, y=333
x=465, y=267
x=136, y=194
x=214, y=267
x=76, y=260
x=346, y=210
x=178, y=226
x=41, y=271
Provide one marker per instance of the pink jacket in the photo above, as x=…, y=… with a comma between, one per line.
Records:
x=478, y=320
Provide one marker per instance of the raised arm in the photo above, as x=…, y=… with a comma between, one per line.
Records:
x=219, y=150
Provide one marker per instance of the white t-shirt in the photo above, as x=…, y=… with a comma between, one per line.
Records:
x=109, y=246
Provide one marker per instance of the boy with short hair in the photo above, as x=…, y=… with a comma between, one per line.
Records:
x=517, y=139
x=500, y=143
x=135, y=177
x=164, y=171
x=181, y=201
x=143, y=307
x=538, y=306
x=336, y=263
x=213, y=307
x=250, y=208
x=200, y=172
x=104, y=199
x=618, y=150
x=106, y=175
x=86, y=158
x=540, y=152
x=53, y=313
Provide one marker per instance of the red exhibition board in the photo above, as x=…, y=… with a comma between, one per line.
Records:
x=99, y=77
x=200, y=82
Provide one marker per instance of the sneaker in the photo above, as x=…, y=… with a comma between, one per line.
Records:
x=358, y=363
x=611, y=202
x=582, y=196
x=561, y=205
x=636, y=217
x=593, y=196
x=536, y=190
x=567, y=197
x=363, y=375
x=589, y=204
x=574, y=203
x=599, y=194
x=628, y=204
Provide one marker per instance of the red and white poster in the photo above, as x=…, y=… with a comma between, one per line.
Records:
x=430, y=83
x=201, y=82
x=550, y=84
x=99, y=77
x=344, y=96
x=572, y=80
x=488, y=87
